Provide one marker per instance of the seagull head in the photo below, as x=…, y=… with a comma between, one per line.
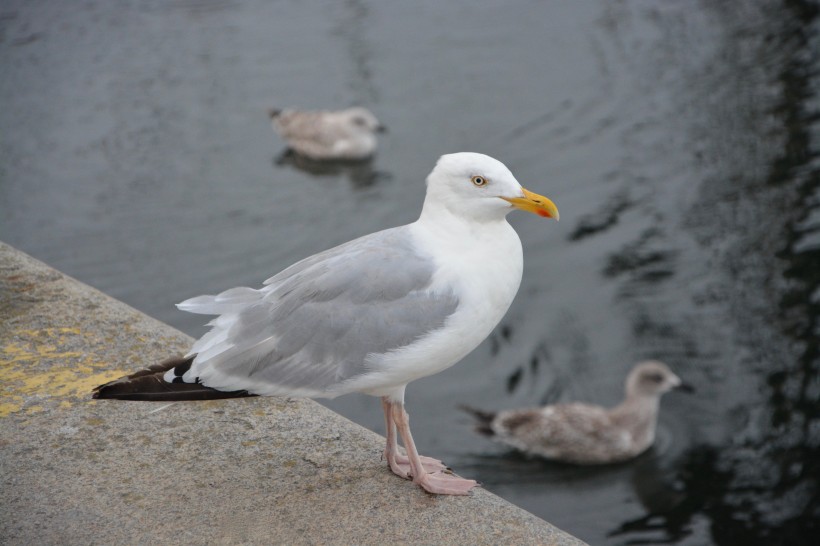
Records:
x=653, y=378
x=479, y=187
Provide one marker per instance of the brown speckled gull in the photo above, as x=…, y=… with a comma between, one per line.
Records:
x=328, y=135
x=587, y=434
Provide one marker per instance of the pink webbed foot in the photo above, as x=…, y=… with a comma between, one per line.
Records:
x=445, y=484
x=400, y=465
x=430, y=474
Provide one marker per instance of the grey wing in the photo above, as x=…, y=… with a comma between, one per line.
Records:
x=313, y=325
x=309, y=131
x=586, y=434
x=564, y=431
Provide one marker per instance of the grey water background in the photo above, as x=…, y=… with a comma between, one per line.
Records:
x=679, y=140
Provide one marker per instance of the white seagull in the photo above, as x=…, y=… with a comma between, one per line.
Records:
x=328, y=135
x=368, y=316
x=586, y=434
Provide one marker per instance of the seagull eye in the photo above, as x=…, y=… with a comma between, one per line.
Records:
x=479, y=181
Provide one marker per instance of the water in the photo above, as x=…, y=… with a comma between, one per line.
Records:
x=680, y=141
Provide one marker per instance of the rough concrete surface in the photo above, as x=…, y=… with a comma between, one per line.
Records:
x=245, y=471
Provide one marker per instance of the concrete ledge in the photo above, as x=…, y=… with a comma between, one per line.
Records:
x=246, y=471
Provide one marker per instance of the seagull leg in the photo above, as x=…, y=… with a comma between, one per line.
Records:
x=391, y=450
x=400, y=464
x=437, y=482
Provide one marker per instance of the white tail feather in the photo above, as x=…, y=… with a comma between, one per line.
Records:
x=228, y=301
x=220, y=327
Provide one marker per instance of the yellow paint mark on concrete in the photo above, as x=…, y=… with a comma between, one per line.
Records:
x=25, y=382
x=7, y=408
x=48, y=332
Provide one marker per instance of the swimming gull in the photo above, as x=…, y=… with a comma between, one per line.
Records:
x=368, y=316
x=328, y=135
x=586, y=434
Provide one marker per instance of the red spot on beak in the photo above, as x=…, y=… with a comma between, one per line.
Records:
x=543, y=214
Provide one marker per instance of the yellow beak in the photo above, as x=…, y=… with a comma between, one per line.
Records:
x=534, y=203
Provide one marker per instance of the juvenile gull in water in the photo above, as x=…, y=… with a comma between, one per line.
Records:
x=323, y=135
x=583, y=433
x=368, y=316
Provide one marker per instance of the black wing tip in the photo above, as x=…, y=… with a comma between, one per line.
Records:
x=149, y=384
x=106, y=389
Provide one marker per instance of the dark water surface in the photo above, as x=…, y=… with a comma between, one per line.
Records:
x=680, y=141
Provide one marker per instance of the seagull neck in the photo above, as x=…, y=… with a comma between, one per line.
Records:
x=437, y=216
x=638, y=410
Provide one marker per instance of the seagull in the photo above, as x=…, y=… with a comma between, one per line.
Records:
x=368, y=316
x=586, y=434
x=328, y=135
